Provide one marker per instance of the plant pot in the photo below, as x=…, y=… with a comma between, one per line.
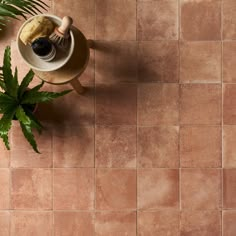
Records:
x=32, y=108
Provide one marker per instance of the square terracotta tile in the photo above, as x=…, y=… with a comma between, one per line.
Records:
x=4, y=156
x=229, y=62
x=115, y=189
x=115, y=223
x=23, y=155
x=158, y=61
x=198, y=223
x=229, y=157
x=116, y=146
x=116, y=104
x=201, y=20
x=201, y=189
x=200, y=104
x=73, y=189
x=73, y=223
x=31, y=223
x=229, y=104
x=200, y=146
x=120, y=58
x=229, y=19
x=116, y=19
x=229, y=188
x=73, y=146
x=158, y=104
x=5, y=189
x=4, y=223
x=81, y=11
x=200, y=62
x=157, y=20
x=158, y=147
x=72, y=109
x=158, y=189
x=31, y=189
x=229, y=219
x=159, y=223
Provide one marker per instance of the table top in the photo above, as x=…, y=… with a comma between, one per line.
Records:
x=74, y=67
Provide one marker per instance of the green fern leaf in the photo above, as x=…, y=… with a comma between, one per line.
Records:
x=9, y=80
x=12, y=9
x=38, y=97
x=5, y=125
x=15, y=8
x=25, y=83
x=27, y=131
x=7, y=103
x=22, y=117
x=34, y=121
x=37, y=87
x=5, y=12
x=2, y=85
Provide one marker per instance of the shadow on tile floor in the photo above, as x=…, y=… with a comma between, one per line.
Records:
x=116, y=104
x=71, y=109
x=115, y=61
x=131, y=61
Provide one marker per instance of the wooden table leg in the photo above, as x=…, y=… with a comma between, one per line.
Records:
x=77, y=86
x=90, y=43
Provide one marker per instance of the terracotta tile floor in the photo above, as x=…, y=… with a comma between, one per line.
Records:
x=149, y=149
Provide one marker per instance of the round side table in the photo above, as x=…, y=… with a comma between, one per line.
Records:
x=70, y=72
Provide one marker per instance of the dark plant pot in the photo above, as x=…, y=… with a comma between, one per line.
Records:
x=33, y=108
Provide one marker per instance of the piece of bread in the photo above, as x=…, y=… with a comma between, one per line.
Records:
x=39, y=27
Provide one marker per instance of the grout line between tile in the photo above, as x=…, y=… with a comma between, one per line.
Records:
x=137, y=89
x=94, y=186
x=95, y=19
x=166, y=82
x=10, y=190
x=53, y=219
x=222, y=117
x=137, y=20
x=91, y=211
x=94, y=74
x=121, y=168
x=164, y=40
x=181, y=125
x=48, y=210
x=179, y=32
x=53, y=6
x=161, y=82
x=200, y=125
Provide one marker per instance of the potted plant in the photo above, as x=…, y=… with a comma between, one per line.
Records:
x=17, y=102
x=15, y=8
